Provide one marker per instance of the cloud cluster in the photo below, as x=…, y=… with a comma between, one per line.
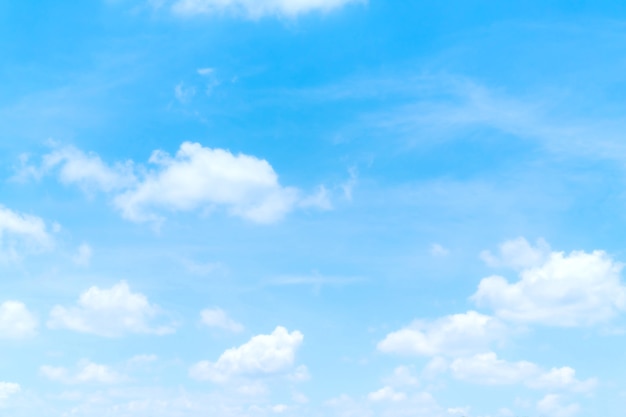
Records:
x=195, y=178
x=109, y=312
x=256, y=9
x=556, y=289
x=264, y=354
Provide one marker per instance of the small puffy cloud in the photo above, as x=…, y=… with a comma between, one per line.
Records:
x=216, y=317
x=518, y=254
x=204, y=178
x=86, y=372
x=562, y=290
x=256, y=9
x=16, y=322
x=487, y=369
x=386, y=394
x=456, y=334
x=263, y=355
x=551, y=406
x=20, y=233
x=108, y=312
x=83, y=255
x=8, y=389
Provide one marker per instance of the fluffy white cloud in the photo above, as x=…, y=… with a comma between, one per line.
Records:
x=486, y=368
x=456, y=334
x=386, y=394
x=518, y=254
x=216, y=317
x=195, y=178
x=551, y=406
x=16, y=321
x=199, y=177
x=7, y=389
x=262, y=355
x=256, y=9
x=108, y=312
x=560, y=290
x=86, y=372
x=21, y=233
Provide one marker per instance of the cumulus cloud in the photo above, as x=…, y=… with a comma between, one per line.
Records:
x=199, y=177
x=109, y=312
x=16, y=322
x=256, y=9
x=21, y=233
x=216, y=317
x=487, y=369
x=86, y=372
x=263, y=355
x=557, y=289
x=456, y=334
x=195, y=178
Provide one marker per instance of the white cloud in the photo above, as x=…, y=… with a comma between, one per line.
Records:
x=563, y=290
x=451, y=335
x=262, y=355
x=487, y=369
x=195, y=178
x=86, y=372
x=87, y=171
x=8, y=389
x=386, y=394
x=16, y=321
x=108, y=312
x=518, y=254
x=199, y=177
x=256, y=9
x=83, y=255
x=551, y=406
x=215, y=317
x=20, y=233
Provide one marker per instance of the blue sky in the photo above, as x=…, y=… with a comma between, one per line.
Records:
x=312, y=208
